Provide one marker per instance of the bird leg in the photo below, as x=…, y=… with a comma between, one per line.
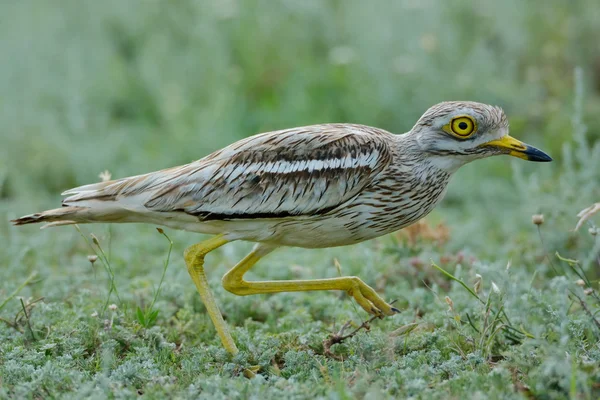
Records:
x=194, y=259
x=365, y=296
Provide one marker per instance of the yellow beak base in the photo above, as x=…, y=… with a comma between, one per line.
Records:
x=516, y=148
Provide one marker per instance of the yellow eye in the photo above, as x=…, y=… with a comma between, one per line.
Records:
x=462, y=126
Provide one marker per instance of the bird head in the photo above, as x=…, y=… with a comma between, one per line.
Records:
x=456, y=132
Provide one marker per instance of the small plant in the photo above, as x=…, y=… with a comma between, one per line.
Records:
x=147, y=317
x=493, y=320
x=96, y=247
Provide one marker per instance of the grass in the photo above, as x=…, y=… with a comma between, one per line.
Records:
x=492, y=305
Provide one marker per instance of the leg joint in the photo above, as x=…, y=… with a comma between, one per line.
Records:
x=236, y=286
x=356, y=281
x=195, y=253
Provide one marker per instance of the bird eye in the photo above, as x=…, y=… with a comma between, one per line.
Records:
x=462, y=126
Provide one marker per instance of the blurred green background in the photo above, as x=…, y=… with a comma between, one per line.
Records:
x=137, y=86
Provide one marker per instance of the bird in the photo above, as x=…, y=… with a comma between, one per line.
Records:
x=315, y=186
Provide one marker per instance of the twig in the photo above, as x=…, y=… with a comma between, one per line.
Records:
x=339, y=337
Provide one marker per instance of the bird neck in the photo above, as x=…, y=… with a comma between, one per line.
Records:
x=448, y=164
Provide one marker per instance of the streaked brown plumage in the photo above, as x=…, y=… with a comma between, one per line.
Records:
x=315, y=186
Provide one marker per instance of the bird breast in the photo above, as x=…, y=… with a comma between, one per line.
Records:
x=402, y=195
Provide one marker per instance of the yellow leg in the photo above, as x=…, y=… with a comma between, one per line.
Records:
x=365, y=296
x=194, y=259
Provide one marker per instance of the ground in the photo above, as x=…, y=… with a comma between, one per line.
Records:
x=493, y=304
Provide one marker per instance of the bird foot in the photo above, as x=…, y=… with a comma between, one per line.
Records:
x=369, y=300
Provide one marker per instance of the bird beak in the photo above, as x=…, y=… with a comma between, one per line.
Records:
x=516, y=148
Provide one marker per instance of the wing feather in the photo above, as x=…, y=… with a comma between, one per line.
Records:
x=301, y=171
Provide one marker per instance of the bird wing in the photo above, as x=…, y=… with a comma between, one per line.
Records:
x=300, y=171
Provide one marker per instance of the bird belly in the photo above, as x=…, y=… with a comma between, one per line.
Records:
x=303, y=232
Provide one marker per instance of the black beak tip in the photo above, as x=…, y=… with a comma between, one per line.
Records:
x=534, y=154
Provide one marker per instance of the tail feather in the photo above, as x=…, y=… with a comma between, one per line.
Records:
x=87, y=188
x=120, y=200
x=92, y=187
x=58, y=216
x=100, y=190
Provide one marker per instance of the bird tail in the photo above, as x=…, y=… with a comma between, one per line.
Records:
x=56, y=217
x=119, y=200
x=97, y=202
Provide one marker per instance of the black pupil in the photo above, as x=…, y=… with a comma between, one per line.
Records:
x=463, y=125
